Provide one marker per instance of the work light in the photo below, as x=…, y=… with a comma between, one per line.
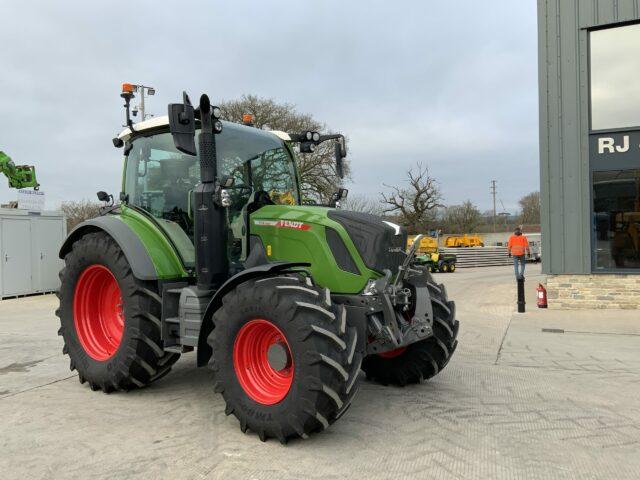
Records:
x=307, y=147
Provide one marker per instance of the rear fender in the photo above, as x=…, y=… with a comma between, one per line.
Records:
x=266, y=270
x=131, y=245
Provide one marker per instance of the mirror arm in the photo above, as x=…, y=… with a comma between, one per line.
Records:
x=340, y=147
x=298, y=138
x=127, y=104
x=333, y=136
x=339, y=158
x=184, y=116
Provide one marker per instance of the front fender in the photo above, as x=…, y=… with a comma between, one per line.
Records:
x=131, y=245
x=266, y=270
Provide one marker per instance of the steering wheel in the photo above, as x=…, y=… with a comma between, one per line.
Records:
x=260, y=199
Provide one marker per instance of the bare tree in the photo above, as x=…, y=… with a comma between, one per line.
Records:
x=530, y=205
x=78, y=212
x=362, y=203
x=318, y=175
x=415, y=204
x=463, y=218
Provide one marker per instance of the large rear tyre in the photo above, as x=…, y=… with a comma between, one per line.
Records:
x=109, y=320
x=284, y=357
x=421, y=360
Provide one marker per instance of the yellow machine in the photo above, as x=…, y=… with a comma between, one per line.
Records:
x=427, y=244
x=456, y=241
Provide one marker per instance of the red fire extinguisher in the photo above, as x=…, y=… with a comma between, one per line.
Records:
x=542, y=296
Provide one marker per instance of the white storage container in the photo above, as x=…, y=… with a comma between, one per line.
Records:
x=29, y=245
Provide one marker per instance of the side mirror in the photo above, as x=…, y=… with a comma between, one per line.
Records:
x=182, y=124
x=341, y=194
x=103, y=196
x=227, y=181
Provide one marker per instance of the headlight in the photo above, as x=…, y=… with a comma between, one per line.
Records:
x=225, y=198
x=307, y=147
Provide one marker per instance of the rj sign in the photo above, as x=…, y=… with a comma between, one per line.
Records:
x=615, y=150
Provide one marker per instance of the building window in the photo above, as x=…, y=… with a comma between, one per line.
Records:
x=616, y=205
x=615, y=77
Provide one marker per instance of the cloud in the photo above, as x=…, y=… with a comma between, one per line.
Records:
x=451, y=84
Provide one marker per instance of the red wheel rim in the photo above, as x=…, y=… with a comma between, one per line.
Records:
x=97, y=312
x=261, y=381
x=393, y=353
x=398, y=351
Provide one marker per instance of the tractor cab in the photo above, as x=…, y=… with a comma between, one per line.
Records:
x=160, y=180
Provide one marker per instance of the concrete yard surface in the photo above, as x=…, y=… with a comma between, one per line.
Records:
x=540, y=395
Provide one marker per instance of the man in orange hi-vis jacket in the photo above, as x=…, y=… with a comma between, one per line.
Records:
x=519, y=248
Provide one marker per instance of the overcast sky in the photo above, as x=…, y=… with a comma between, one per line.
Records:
x=451, y=83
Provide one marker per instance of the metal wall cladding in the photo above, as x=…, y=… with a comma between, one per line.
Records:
x=29, y=245
x=563, y=61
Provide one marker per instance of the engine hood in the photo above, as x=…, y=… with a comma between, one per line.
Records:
x=378, y=244
x=381, y=244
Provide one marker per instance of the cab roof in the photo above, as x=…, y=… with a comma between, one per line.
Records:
x=163, y=121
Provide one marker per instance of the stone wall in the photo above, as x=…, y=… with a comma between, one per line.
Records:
x=593, y=291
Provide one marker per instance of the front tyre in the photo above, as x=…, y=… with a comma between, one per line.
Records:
x=109, y=320
x=284, y=357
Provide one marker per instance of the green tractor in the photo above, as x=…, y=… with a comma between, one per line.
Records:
x=211, y=249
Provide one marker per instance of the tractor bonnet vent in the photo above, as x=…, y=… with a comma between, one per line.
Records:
x=340, y=252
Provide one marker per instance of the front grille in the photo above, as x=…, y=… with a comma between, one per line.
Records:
x=395, y=252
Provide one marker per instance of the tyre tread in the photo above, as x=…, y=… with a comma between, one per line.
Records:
x=146, y=361
x=331, y=352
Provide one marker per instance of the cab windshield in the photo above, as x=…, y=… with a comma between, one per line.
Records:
x=160, y=180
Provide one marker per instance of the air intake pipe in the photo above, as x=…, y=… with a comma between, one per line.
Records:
x=210, y=234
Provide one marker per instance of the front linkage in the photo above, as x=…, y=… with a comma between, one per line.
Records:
x=396, y=312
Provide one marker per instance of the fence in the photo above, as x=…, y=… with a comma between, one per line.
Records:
x=479, y=256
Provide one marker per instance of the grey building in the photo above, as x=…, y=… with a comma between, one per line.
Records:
x=589, y=77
